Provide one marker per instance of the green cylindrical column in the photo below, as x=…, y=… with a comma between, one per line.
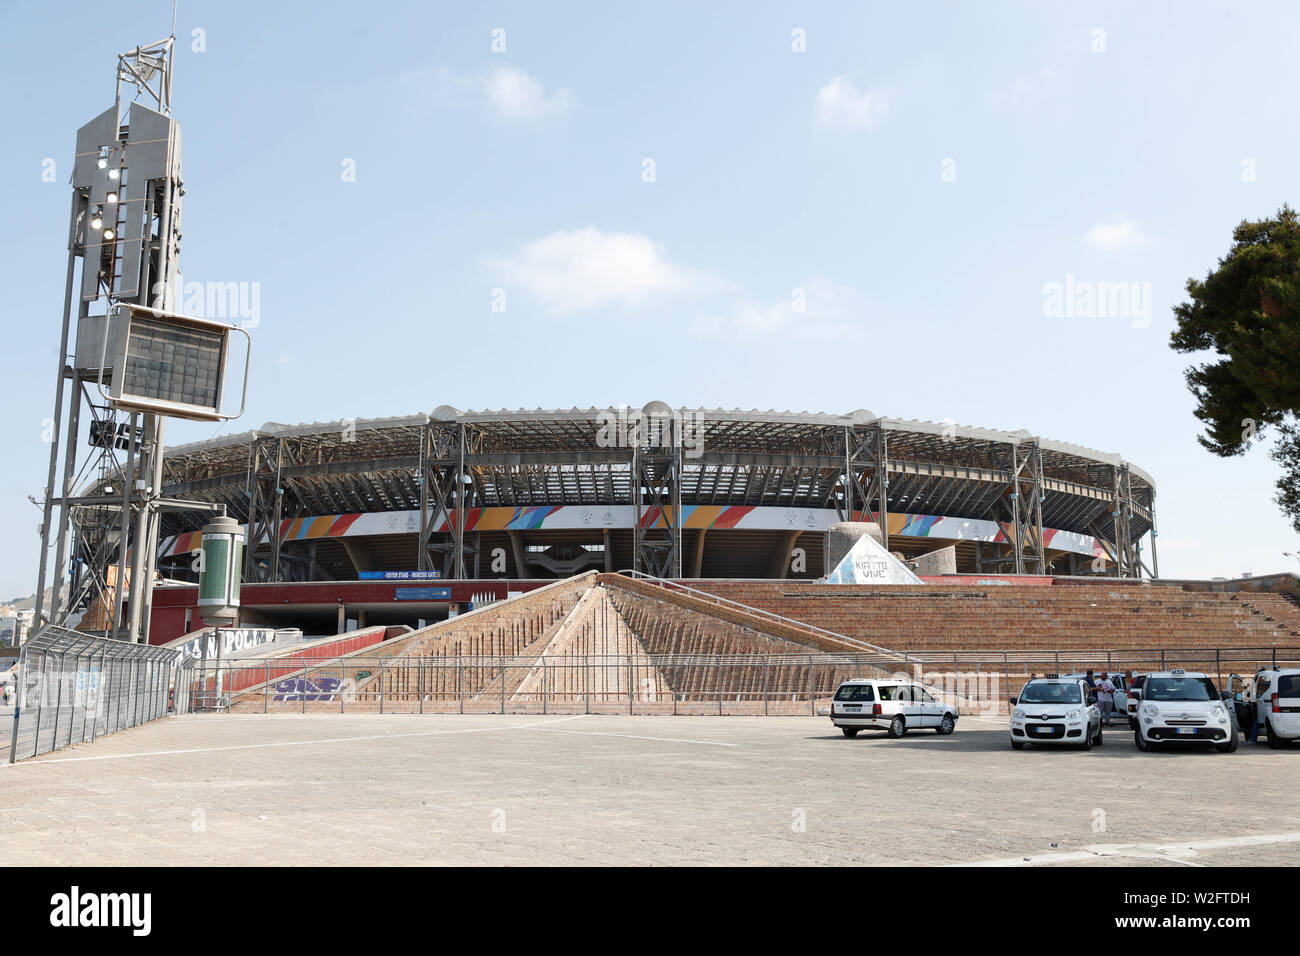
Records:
x=219, y=573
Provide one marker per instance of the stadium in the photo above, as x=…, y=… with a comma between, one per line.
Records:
x=680, y=493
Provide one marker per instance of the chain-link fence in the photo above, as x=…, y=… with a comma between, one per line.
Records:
x=978, y=682
x=73, y=688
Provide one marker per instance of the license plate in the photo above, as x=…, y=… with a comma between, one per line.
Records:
x=1042, y=730
x=1187, y=730
x=852, y=706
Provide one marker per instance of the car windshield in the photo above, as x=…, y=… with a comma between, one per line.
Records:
x=1050, y=693
x=1179, y=688
x=854, y=692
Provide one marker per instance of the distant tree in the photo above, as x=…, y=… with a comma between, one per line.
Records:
x=1247, y=311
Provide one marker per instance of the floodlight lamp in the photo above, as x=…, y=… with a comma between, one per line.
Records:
x=111, y=197
x=114, y=173
x=109, y=234
x=96, y=221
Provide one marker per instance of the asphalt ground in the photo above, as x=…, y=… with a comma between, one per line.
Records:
x=520, y=790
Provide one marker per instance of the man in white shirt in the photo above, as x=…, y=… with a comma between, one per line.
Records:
x=1105, y=698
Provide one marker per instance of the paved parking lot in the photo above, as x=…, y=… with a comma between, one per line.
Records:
x=388, y=789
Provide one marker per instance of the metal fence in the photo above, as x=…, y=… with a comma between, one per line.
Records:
x=749, y=684
x=73, y=688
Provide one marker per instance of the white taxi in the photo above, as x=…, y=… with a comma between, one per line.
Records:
x=1056, y=710
x=896, y=706
x=1183, y=707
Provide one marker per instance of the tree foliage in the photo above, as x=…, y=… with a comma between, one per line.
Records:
x=1246, y=312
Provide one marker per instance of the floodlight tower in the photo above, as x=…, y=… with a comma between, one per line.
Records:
x=126, y=361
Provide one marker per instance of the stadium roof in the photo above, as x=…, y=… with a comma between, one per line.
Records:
x=548, y=426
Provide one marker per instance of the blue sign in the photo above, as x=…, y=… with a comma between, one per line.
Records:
x=399, y=575
x=423, y=594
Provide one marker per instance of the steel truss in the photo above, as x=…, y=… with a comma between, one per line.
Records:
x=866, y=476
x=657, y=495
x=448, y=486
x=1026, y=505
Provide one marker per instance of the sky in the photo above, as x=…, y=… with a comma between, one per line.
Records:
x=780, y=205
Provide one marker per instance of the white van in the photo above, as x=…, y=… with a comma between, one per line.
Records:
x=896, y=706
x=1277, y=702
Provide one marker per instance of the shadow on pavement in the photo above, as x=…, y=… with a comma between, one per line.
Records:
x=1118, y=743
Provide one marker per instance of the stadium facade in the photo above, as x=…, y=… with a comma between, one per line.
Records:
x=671, y=492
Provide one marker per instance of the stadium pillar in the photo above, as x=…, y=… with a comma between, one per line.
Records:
x=1155, y=559
x=697, y=554
x=780, y=562
x=517, y=547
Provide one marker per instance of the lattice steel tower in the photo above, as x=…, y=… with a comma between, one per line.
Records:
x=126, y=363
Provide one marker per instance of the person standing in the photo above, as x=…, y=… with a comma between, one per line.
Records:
x=1105, y=697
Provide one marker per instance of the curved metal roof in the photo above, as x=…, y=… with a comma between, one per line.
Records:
x=526, y=457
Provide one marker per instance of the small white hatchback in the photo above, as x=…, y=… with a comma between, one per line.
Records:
x=1183, y=707
x=1056, y=710
x=895, y=706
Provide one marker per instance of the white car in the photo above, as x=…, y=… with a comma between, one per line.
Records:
x=1277, y=701
x=896, y=706
x=1181, y=706
x=1056, y=710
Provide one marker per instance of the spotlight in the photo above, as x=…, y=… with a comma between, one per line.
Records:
x=108, y=234
x=96, y=222
x=111, y=197
x=113, y=173
x=101, y=162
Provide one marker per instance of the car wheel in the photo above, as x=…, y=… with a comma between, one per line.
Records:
x=946, y=726
x=1088, y=740
x=1017, y=745
x=1274, y=741
x=850, y=731
x=1100, y=737
x=1230, y=746
x=1140, y=741
x=897, y=727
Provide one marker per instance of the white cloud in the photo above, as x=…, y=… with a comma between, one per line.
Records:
x=839, y=103
x=1117, y=235
x=570, y=271
x=818, y=310
x=506, y=91
x=515, y=94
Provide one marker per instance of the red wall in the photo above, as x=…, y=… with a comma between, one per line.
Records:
x=170, y=603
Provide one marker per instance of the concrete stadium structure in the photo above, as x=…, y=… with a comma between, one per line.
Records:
x=680, y=493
